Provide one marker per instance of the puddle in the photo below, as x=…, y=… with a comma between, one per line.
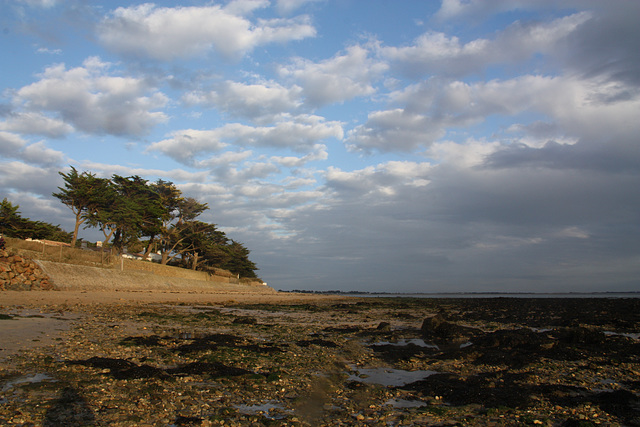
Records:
x=388, y=377
x=405, y=342
x=271, y=410
x=28, y=379
x=403, y=403
x=635, y=336
x=466, y=344
x=541, y=330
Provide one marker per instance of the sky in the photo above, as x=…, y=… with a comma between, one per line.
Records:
x=355, y=145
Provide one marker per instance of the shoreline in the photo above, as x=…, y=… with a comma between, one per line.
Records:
x=249, y=359
x=45, y=298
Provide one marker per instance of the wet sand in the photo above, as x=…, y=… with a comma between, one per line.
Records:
x=179, y=358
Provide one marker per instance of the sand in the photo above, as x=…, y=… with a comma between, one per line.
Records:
x=40, y=317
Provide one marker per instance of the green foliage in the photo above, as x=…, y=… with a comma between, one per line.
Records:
x=12, y=224
x=82, y=194
x=238, y=260
x=133, y=213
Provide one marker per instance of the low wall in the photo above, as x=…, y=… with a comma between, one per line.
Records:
x=170, y=271
x=153, y=277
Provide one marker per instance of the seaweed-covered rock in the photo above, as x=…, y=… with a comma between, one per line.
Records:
x=438, y=329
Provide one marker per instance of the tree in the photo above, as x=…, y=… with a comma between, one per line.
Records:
x=203, y=245
x=127, y=209
x=12, y=224
x=178, y=212
x=238, y=260
x=82, y=193
x=104, y=214
x=137, y=210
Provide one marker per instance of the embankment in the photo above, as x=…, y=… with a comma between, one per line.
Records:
x=144, y=278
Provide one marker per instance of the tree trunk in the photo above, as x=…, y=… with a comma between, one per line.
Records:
x=195, y=261
x=79, y=221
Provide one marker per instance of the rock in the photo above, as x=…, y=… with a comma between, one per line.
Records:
x=20, y=274
x=245, y=320
x=440, y=330
x=384, y=327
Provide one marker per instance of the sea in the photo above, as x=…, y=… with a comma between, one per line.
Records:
x=493, y=295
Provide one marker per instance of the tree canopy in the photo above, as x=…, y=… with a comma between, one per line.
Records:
x=12, y=224
x=155, y=216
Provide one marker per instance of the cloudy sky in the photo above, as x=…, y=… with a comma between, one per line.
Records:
x=369, y=145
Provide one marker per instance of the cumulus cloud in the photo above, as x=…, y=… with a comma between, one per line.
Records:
x=36, y=124
x=169, y=33
x=319, y=152
x=21, y=177
x=12, y=146
x=260, y=102
x=432, y=107
x=340, y=78
x=394, y=130
x=299, y=134
x=38, y=153
x=93, y=101
x=438, y=53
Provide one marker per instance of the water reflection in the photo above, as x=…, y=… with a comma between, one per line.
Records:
x=387, y=376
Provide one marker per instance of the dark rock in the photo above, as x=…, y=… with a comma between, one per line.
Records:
x=384, y=327
x=438, y=329
x=245, y=320
x=188, y=421
x=122, y=369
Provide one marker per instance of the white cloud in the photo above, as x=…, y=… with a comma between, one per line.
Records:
x=343, y=77
x=259, y=102
x=36, y=124
x=93, y=101
x=385, y=179
x=432, y=108
x=435, y=52
x=394, y=130
x=170, y=33
x=574, y=232
x=38, y=153
x=10, y=144
x=301, y=133
x=319, y=152
x=225, y=159
x=18, y=176
x=13, y=146
x=470, y=154
x=184, y=145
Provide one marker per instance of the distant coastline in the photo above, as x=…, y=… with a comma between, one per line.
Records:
x=602, y=294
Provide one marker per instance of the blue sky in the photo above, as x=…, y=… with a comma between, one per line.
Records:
x=356, y=145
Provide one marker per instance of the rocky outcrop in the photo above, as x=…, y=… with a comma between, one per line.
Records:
x=18, y=273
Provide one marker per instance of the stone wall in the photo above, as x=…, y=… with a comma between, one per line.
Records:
x=18, y=273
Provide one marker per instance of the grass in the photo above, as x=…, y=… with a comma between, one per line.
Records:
x=68, y=255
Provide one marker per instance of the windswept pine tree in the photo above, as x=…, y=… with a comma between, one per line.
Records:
x=156, y=217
